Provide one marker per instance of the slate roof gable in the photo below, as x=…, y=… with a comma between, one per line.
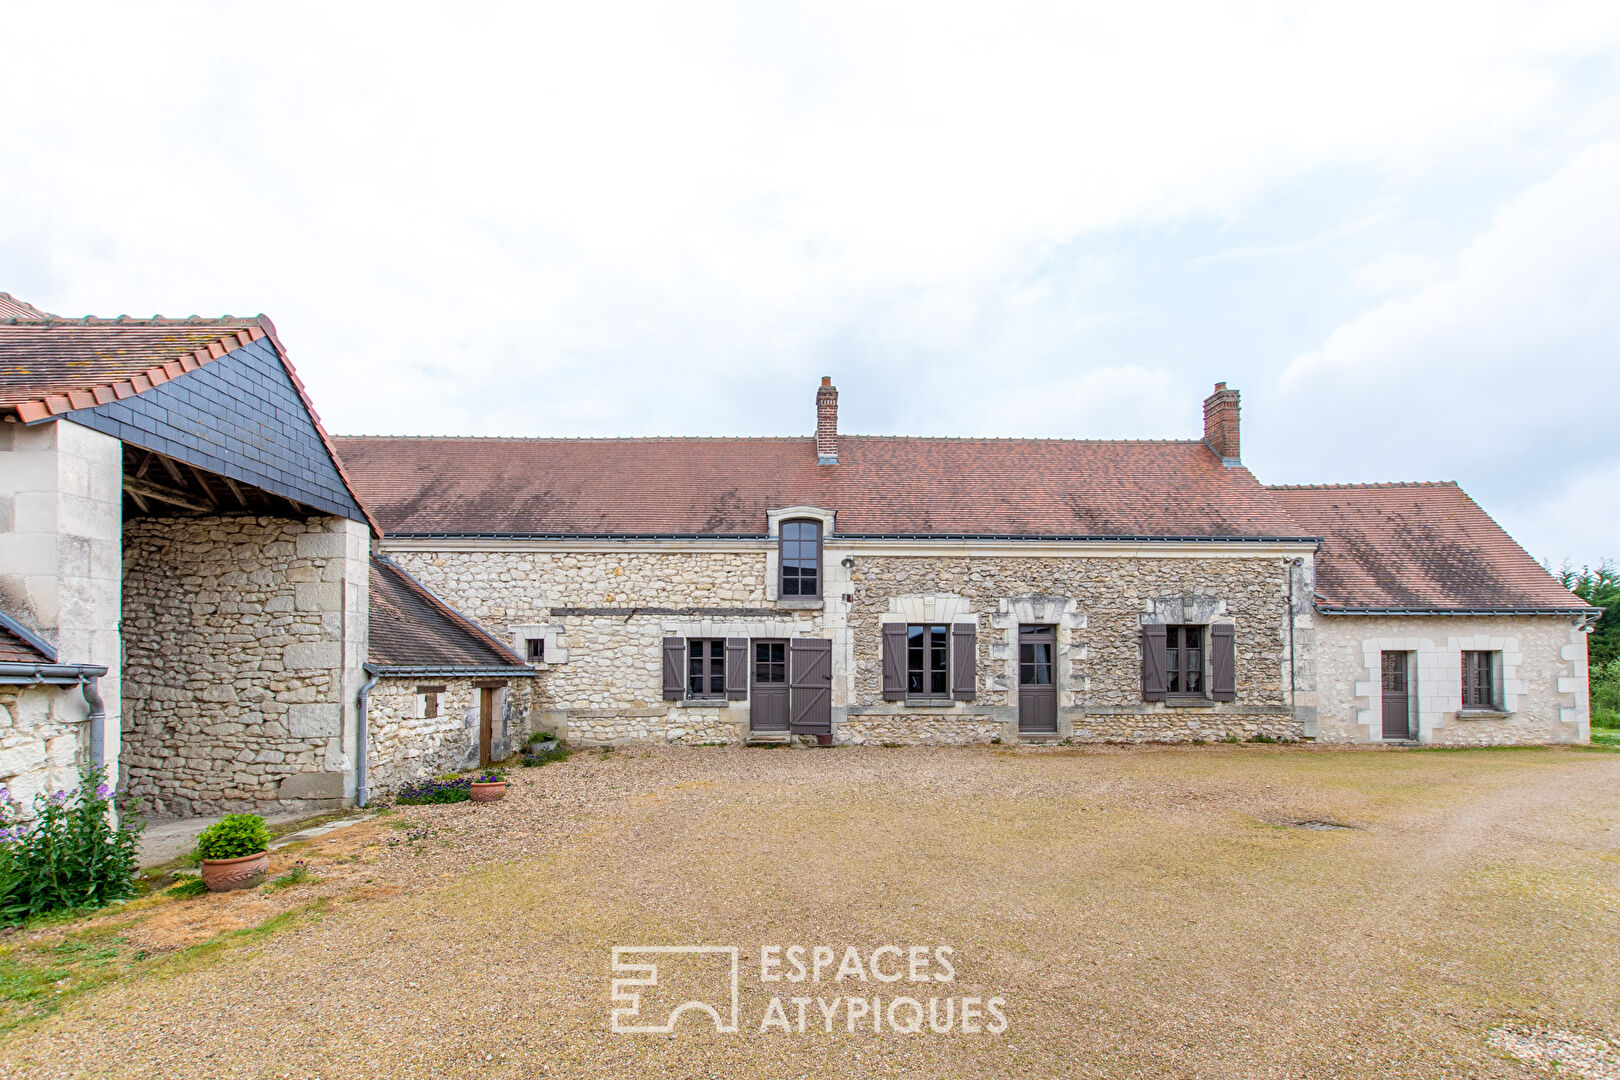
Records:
x=410, y=627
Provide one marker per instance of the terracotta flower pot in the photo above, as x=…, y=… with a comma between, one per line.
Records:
x=488, y=792
x=224, y=875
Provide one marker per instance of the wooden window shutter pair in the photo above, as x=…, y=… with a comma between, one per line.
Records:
x=1222, y=662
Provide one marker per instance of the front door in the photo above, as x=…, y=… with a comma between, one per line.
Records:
x=810, y=687
x=1397, y=697
x=1037, y=688
x=769, y=711
x=486, y=724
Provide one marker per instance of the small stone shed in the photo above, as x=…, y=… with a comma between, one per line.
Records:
x=443, y=694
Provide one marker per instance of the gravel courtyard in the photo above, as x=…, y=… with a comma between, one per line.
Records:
x=1142, y=912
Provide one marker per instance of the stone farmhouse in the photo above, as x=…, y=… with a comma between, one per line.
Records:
x=205, y=593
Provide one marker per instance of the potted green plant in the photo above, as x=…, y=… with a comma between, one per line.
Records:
x=235, y=852
x=488, y=786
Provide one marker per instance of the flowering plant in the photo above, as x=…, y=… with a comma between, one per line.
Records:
x=70, y=855
x=490, y=776
x=454, y=789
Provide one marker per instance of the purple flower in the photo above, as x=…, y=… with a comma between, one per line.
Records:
x=59, y=798
x=102, y=791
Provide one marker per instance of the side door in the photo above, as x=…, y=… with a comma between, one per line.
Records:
x=1397, y=697
x=810, y=686
x=769, y=679
x=1037, y=680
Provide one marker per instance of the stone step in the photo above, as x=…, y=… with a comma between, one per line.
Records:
x=768, y=738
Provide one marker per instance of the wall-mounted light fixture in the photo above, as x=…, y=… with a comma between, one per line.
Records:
x=848, y=562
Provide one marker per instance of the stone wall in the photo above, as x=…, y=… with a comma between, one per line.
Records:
x=61, y=508
x=404, y=743
x=604, y=614
x=42, y=740
x=1544, y=677
x=243, y=646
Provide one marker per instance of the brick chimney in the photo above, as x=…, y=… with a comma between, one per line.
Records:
x=827, y=422
x=1221, y=423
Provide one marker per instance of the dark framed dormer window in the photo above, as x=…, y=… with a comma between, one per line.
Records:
x=800, y=551
x=1481, y=680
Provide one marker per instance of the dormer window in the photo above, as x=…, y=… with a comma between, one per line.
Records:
x=801, y=560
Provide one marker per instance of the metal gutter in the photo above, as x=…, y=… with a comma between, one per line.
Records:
x=1327, y=609
x=17, y=673
x=439, y=672
x=834, y=537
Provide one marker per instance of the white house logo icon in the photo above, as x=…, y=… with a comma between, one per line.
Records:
x=674, y=980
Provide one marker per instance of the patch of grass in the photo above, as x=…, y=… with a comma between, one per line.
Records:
x=37, y=980
x=556, y=753
x=298, y=875
x=187, y=889
x=1261, y=738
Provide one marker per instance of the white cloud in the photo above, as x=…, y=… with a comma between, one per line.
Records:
x=1499, y=374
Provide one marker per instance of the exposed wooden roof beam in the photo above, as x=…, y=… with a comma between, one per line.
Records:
x=202, y=482
x=138, y=489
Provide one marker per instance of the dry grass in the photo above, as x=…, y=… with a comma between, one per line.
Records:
x=1144, y=913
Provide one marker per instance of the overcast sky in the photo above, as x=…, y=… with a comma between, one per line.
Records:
x=1395, y=228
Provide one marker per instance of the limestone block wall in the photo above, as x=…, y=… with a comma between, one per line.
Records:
x=243, y=645
x=42, y=740
x=61, y=508
x=1544, y=677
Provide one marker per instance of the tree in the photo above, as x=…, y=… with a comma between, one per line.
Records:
x=1600, y=588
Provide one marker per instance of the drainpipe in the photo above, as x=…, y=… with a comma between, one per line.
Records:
x=1293, y=704
x=360, y=752
x=98, y=724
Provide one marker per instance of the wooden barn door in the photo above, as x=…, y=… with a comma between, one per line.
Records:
x=810, y=687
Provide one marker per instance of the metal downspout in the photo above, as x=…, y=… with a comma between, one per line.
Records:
x=98, y=724
x=360, y=791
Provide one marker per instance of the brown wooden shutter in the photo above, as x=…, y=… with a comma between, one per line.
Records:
x=810, y=686
x=894, y=661
x=1155, y=659
x=737, y=668
x=1222, y=662
x=674, y=668
x=964, y=660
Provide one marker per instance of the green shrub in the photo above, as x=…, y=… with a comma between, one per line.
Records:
x=233, y=836
x=70, y=856
x=421, y=792
x=542, y=736
x=1605, y=683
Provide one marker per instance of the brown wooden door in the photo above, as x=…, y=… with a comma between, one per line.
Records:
x=769, y=711
x=810, y=686
x=486, y=724
x=1037, y=680
x=1397, y=697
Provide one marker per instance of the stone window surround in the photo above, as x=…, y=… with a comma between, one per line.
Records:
x=732, y=628
x=551, y=634
x=773, y=558
x=1203, y=611
x=1436, y=684
x=930, y=609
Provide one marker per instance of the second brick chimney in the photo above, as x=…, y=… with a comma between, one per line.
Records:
x=1221, y=423
x=827, y=422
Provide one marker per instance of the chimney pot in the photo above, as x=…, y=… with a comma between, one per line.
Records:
x=1221, y=424
x=827, y=422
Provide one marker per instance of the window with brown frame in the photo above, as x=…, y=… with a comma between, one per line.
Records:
x=535, y=650
x=706, y=667
x=1481, y=680
x=1184, y=660
x=800, y=552
x=928, y=659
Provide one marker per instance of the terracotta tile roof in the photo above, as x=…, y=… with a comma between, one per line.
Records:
x=1417, y=547
x=882, y=486
x=410, y=627
x=52, y=366
x=11, y=308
